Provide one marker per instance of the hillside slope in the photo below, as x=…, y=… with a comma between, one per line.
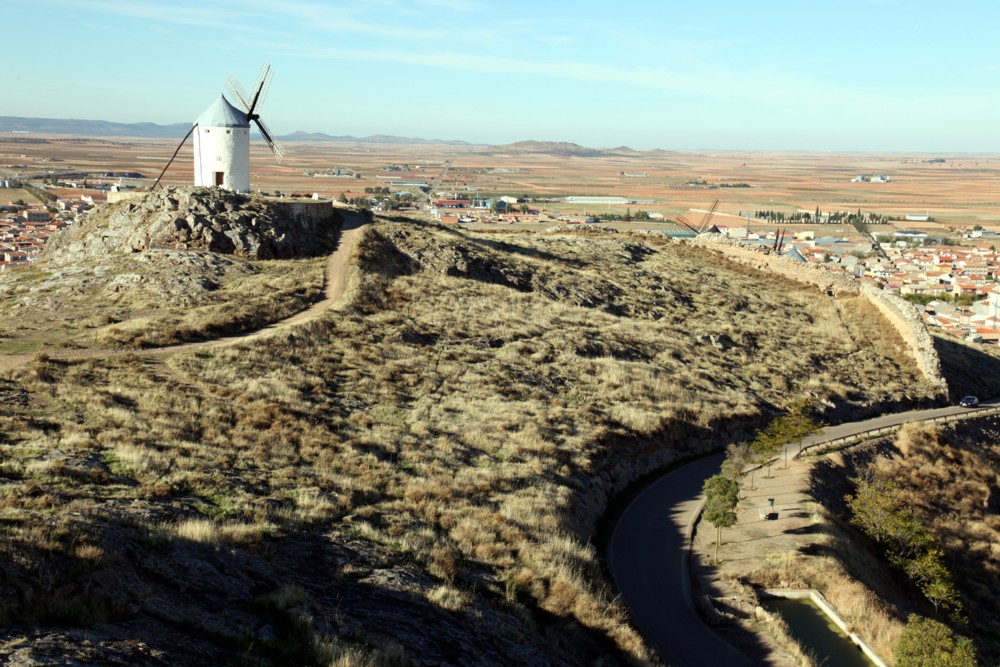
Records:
x=417, y=475
x=947, y=477
x=174, y=265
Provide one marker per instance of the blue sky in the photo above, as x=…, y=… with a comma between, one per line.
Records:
x=871, y=75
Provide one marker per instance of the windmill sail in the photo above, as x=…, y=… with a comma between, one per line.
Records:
x=276, y=148
x=252, y=103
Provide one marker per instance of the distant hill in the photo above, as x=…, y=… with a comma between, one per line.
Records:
x=624, y=151
x=371, y=139
x=103, y=128
x=547, y=147
x=92, y=128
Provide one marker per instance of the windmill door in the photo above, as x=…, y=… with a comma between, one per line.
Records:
x=219, y=180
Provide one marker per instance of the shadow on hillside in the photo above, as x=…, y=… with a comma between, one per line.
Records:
x=499, y=246
x=524, y=251
x=711, y=602
x=967, y=369
x=193, y=603
x=830, y=484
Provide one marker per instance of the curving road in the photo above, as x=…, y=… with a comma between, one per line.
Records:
x=648, y=559
x=648, y=551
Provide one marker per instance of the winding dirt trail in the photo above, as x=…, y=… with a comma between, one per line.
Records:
x=336, y=275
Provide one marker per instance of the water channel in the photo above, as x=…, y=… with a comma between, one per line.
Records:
x=817, y=634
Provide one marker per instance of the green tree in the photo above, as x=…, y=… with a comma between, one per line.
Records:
x=798, y=424
x=881, y=513
x=925, y=642
x=721, y=497
x=738, y=457
x=932, y=577
x=768, y=443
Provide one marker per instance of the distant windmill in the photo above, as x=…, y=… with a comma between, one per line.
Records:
x=707, y=220
x=222, y=137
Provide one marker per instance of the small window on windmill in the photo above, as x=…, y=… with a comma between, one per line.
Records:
x=229, y=131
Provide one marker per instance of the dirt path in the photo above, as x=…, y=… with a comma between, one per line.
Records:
x=335, y=284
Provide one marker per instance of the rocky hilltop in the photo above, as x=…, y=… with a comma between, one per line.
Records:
x=205, y=219
x=170, y=266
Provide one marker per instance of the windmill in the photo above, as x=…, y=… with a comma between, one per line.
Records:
x=707, y=220
x=222, y=137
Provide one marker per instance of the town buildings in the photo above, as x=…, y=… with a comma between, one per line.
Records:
x=26, y=224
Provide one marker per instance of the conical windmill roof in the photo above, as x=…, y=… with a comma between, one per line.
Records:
x=222, y=114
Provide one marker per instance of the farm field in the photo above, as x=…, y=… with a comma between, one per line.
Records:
x=958, y=192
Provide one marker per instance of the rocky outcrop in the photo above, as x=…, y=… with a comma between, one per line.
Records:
x=903, y=315
x=202, y=219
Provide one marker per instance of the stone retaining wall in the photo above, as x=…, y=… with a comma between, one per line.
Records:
x=903, y=315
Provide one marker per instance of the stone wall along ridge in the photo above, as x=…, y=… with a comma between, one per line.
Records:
x=901, y=314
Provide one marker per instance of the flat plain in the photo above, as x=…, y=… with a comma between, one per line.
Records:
x=954, y=190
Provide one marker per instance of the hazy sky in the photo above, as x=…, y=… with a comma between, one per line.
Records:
x=801, y=75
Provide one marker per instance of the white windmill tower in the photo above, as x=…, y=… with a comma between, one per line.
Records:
x=222, y=147
x=222, y=137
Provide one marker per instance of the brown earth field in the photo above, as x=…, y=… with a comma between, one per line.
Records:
x=961, y=191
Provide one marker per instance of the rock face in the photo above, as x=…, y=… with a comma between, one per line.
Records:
x=205, y=219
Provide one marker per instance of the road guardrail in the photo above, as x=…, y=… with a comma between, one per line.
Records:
x=885, y=430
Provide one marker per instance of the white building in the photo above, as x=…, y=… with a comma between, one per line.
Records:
x=222, y=147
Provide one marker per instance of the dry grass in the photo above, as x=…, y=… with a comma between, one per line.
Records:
x=948, y=477
x=874, y=621
x=472, y=412
x=152, y=299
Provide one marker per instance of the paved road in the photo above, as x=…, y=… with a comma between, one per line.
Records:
x=648, y=552
x=648, y=558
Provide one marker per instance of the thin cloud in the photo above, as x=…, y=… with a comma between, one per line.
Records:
x=717, y=84
x=372, y=18
x=198, y=16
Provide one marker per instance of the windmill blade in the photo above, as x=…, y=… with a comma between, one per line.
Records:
x=276, y=148
x=260, y=88
x=237, y=91
x=178, y=150
x=681, y=220
x=707, y=220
